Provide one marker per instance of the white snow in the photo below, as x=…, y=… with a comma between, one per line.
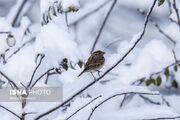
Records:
x=57, y=41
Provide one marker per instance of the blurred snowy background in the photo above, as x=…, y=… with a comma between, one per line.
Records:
x=46, y=42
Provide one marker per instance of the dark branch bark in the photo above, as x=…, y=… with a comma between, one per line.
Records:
x=177, y=12
x=18, y=12
x=39, y=78
x=82, y=107
x=9, y=80
x=163, y=118
x=140, y=93
x=42, y=56
x=90, y=13
x=10, y=111
x=149, y=100
x=170, y=12
x=159, y=28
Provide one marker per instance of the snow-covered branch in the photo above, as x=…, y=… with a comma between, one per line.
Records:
x=128, y=50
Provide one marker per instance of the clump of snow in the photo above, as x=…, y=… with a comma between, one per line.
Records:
x=173, y=31
x=4, y=25
x=56, y=44
x=67, y=4
x=149, y=59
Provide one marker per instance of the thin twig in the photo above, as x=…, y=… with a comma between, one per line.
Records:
x=103, y=24
x=42, y=56
x=156, y=73
x=177, y=12
x=18, y=12
x=137, y=82
x=109, y=98
x=39, y=78
x=164, y=118
x=106, y=72
x=149, y=100
x=83, y=107
x=111, y=43
x=4, y=32
x=175, y=58
x=142, y=80
x=10, y=111
x=163, y=33
x=90, y=13
x=9, y=80
x=48, y=75
x=170, y=12
x=16, y=51
x=165, y=101
x=158, y=27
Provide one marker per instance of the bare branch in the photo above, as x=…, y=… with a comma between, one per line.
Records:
x=18, y=12
x=164, y=118
x=106, y=72
x=111, y=43
x=137, y=82
x=83, y=107
x=174, y=56
x=165, y=68
x=140, y=93
x=4, y=32
x=177, y=12
x=170, y=12
x=103, y=24
x=163, y=33
x=21, y=11
x=39, y=78
x=9, y=80
x=18, y=49
x=90, y=13
x=149, y=100
x=48, y=75
x=10, y=111
x=42, y=56
x=158, y=28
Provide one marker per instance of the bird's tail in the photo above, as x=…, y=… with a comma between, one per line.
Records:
x=81, y=73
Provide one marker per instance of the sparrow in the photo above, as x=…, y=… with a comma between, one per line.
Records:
x=94, y=63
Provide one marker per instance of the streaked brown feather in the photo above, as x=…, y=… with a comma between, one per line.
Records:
x=94, y=62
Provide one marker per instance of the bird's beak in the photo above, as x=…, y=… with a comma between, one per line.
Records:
x=104, y=52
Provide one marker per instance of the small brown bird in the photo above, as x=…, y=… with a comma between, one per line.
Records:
x=95, y=62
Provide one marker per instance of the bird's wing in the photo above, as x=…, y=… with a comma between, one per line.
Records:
x=93, y=66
